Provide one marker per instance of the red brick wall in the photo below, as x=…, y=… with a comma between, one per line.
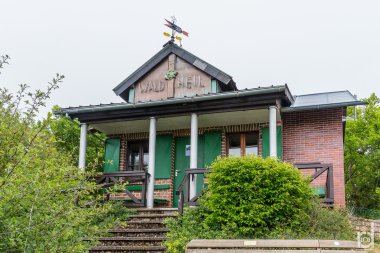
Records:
x=316, y=136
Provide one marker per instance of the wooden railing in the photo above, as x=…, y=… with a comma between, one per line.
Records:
x=184, y=188
x=109, y=179
x=320, y=169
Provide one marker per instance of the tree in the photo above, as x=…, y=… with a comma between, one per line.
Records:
x=67, y=135
x=46, y=204
x=362, y=156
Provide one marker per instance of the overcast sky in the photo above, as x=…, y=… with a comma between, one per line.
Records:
x=313, y=46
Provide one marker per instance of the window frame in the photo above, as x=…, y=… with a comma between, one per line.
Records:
x=141, y=154
x=242, y=142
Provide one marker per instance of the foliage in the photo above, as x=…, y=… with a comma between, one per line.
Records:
x=170, y=74
x=67, y=135
x=46, y=205
x=362, y=156
x=251, y=197
x=190, y=226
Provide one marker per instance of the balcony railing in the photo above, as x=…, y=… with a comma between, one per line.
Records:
x=318, y=169
x=109, y=179
x=323, y=172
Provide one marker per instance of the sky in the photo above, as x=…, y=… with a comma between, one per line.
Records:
x=313, y=46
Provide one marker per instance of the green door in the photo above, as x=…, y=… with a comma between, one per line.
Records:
x=209, y=147
x=182, y=162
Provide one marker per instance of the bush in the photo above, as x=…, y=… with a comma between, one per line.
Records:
x=190, y=226
x=251, y=197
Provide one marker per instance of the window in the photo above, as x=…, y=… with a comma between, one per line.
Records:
x=243, y=144
x=138, y=155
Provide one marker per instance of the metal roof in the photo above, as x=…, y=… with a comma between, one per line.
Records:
x=298, y=103
x=169, y=48
x=205, y=97
x=323, y=100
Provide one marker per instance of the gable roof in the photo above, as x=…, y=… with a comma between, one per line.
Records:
x=227, y=84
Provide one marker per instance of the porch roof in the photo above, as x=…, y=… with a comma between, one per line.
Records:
x=323, y=101
x=213, y=102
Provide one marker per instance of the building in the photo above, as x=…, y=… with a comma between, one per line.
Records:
x=180, y=112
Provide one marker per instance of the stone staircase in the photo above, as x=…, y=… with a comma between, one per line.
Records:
x=144, y=233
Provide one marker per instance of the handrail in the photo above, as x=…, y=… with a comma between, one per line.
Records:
x=184, y=198
x=320, y=168
x=108, y=179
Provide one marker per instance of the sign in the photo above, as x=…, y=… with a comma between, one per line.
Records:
x=188, y=148
x=187, y=82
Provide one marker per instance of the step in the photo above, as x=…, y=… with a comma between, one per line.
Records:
x=168, y=209
x=156, y=210
x=158, y=232
x=159, y=216
x=131, y=241
x=145, y=224
x=128, y=249
x=127, y=230
x=121, y=238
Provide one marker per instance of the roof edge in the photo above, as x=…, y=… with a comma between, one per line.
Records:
x=323, y=106
x=214, y=96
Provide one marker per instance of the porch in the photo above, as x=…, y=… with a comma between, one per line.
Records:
x=174, y=144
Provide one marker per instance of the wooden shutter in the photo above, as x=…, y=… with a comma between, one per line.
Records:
x=112, y=155
x=163, y=163
x=265, y=142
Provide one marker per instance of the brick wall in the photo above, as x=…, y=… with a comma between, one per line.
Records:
x=316, y=136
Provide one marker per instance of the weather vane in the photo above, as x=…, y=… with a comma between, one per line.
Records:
x=175, y=29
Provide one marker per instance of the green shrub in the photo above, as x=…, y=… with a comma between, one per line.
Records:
x=190, y=226
x=251, y=197
x=254, y=196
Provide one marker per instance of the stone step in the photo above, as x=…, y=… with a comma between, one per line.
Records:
x=131, y=241
x=156, y=210
x=158, y=217
x=158, y=232
x=129, y=249
x=145, y=224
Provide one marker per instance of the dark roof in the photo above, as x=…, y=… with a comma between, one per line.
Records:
x=223, y=101
x=323, y=100
x=226, y=80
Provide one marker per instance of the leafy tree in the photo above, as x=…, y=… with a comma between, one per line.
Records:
x=67, y=135
x=362, y=156
x=46, y=204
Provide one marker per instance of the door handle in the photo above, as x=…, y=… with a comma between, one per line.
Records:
x=176, y=172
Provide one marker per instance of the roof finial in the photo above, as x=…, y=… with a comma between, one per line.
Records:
x=175, y=29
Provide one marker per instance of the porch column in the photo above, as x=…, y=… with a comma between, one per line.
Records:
x=152, y=159
x=273, y=131
x=82, y=146
x=193, y=153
